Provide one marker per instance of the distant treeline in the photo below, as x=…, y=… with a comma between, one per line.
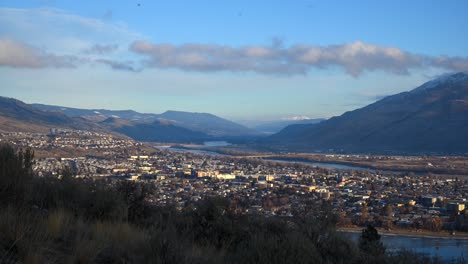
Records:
x=70, y=220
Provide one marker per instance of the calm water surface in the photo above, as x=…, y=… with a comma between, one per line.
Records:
x=338, y=166
x=444, y=248
x=216, y=143
x=327, y=165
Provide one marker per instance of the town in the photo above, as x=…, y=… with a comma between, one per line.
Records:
x=255, y=186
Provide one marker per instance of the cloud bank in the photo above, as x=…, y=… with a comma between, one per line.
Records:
x=83, y=40
x=18, y=55
x=356, y=58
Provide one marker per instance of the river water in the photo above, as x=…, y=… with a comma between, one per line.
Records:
x=216, y=143
x=194, y=151
x=444, y=248
x=327, y=165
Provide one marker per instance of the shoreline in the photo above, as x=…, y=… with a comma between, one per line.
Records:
x=384, y=168
x=305, y=157
x=408, y=233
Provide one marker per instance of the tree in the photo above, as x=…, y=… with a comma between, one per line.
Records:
x=15, y=174
x=364, y=214
x=388, y=211
x=434, y=223
x=369, y=242
x=67, y=174
x=134, y=194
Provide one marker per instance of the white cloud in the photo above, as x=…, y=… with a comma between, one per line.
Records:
x=356, y=58
x=208, y=57
x=453, y=63
x=19, y=55
x=16, y=54
x=296, y=118
x=58, y=38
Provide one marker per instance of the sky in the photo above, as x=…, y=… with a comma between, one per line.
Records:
x=241, y=60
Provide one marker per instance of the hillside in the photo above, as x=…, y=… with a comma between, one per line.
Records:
x=198, y=122
x=18, y=116
x=76, y=112
x=432, y=118
x=206, y=123
x=157, y=131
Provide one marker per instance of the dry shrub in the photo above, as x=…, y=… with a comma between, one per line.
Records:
x=116, y=232
x=33, y=258
x=56, y=221
x=85, y=251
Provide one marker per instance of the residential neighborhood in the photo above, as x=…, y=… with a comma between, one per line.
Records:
x=256, y=186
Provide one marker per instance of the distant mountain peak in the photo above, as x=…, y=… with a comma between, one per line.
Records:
x=296, y=118
x=449, y=78
x=175, y=112
x=432, y=118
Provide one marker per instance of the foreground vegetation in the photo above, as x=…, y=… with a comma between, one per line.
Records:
x=68, y=220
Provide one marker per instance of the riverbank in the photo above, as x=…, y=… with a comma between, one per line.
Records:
x=329, y=165
x=409, y=233
x=438, y=165
x=418, y=166
x=395, y=165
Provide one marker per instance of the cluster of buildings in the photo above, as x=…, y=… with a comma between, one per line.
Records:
x=270, y=188
x=72, y=142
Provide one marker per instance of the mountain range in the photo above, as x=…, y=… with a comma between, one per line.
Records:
x=15, y=115
x=154, y=131
x=432, y=118
x=171, y=126
x=201, y=122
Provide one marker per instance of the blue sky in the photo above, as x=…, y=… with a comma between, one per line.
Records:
x=243, y=60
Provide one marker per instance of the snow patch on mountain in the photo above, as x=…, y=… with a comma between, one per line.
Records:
x=296, y=118
x=443, y=79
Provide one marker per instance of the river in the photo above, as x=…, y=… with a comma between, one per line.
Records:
x=339, y=166
x=444, y=248
x=216, y=143
x=327, y=165
x=198, y=151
